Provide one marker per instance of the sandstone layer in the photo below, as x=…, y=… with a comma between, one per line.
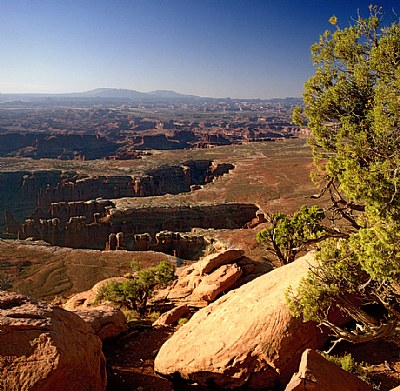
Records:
x=106, y=320
x=245, y=338
x=45, y=271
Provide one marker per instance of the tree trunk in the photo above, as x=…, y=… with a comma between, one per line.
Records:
x=356, y=312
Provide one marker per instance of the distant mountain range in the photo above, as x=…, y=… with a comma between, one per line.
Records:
x=115, y=94
x=118, y=95
x=131, y=94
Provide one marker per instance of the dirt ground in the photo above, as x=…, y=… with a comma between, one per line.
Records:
x=130, y=362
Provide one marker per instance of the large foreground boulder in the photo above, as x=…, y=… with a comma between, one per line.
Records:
x=245, y=338
x=317, y=373
x=45, y=348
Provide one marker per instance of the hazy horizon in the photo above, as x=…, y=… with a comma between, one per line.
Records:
x=141, y=92
x=222, y=48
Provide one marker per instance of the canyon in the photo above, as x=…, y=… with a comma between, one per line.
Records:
x=68, y=226
x=172, y=203
x=153, y=206
x=75, y=211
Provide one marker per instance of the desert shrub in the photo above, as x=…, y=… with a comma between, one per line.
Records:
x=182, y=321
x=345, y=362
x=153, y=316
x=288, y=235
x=134, y=292
x=131, y=315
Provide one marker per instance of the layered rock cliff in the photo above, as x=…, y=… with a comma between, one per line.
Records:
x=22, y=192
x=141, y=228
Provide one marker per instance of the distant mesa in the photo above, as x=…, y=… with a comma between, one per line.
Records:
x=124, y=94
x=103, y=93
x=110, y=93
x=171, y=94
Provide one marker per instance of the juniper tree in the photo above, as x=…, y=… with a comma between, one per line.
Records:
x=352, y=106
x=288, y=235
x=134, y=292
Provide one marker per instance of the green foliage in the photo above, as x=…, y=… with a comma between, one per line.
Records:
x=134, y=292
x=346, y=362
x=353, y=110
x=287, y=236
x=352, y=107
x=130, y=315
x=336, y=275
x=182, y=321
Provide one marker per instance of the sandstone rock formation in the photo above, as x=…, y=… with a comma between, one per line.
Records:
x=245, y=338
x=201, y=282
x=45, y=348
x=317, y=373
x=221, y=279
x=170, y=317
x=85, y=300
x=107, y=321
x=213, y=261
x=88, y=230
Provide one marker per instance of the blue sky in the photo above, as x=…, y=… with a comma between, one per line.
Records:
x=217, y=48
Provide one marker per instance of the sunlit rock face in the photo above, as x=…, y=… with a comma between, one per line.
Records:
x=245, y=338
x=43, y=347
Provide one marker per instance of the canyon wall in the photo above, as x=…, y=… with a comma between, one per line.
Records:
x=22, y=192
x=138, y=229
x=73, y=210
x=19, y=190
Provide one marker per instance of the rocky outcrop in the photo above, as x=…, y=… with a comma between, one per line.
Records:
x=216, y=260
x=160, y=225
x=317, y=373
x=24, y=191
x=172, y=316
x=180, y=218
x=12, y=225
x=43, y=347
x=245, y=338
x=107, y=322
x=200, y=283
x=86, y=299
x=211, y=285
x=172, y=179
